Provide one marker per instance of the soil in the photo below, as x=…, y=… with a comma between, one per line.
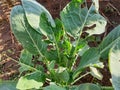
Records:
x=10, y=49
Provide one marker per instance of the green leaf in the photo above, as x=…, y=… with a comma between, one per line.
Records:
x=89, y=58
x=64, y=60
x=54, y=87
x=32, y=81
x=75, y=18
x=33, y=10
x=58, y=30
x=25, y=34
x=78, y=1
x=97, y=24
x=25, y=61
x=52, y=55
x=86, y=86
x=81, y=47
x=51, y=65
x=112, y=38
x=8, y=85
x=95, y=21
x=66, y=46
x=62, y=74
x=114, y=64
x=53, y=33
x=83, y=50
x=46, y=28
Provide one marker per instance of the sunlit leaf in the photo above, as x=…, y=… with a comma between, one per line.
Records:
x=114, y=64
x=31, y=81
x=96, y=73
x=97, y=24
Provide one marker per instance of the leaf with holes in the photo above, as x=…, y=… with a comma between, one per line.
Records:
x=75, y=18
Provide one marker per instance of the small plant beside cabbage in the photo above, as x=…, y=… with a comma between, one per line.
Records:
x=55, y=54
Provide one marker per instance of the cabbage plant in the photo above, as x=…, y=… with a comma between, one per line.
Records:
x=55, y=54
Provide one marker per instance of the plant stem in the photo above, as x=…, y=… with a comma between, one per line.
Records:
x=80, y=78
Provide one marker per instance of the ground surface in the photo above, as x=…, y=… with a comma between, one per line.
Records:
x=10, y=48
